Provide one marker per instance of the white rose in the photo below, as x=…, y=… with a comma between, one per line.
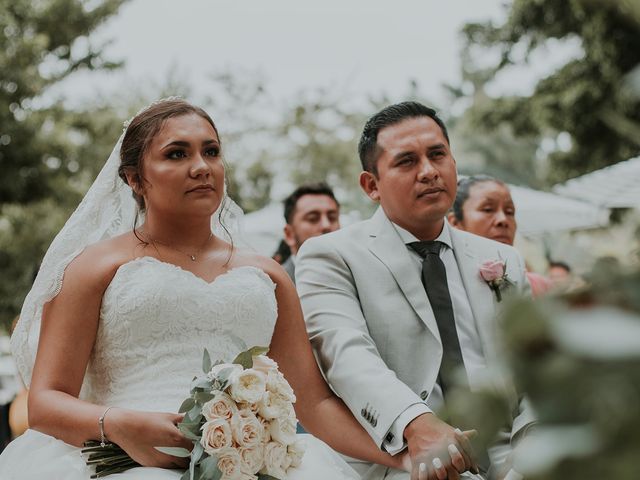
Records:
x=275, y=459
x=247, y=476
x=246, y=429
x=216, y=370
x=229, y=463
x=252, y=458
x=264, y=364
x=276, y=383
x=283, y=430
x=273, y=405
x=247, y=386
x=266, y=436
x=295, y=452
x=220, y=406
x=216, y=435
x=248, y=406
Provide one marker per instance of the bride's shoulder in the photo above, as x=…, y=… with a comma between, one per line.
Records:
x=244, y=258
x=99, y=262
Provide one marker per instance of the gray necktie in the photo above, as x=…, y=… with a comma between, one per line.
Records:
x=434, y=279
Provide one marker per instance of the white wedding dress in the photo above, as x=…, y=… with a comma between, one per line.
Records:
x=156, y=319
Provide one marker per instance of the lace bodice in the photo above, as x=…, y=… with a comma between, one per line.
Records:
x=155, y=321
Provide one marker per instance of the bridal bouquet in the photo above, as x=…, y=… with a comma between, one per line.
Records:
x=240, y=418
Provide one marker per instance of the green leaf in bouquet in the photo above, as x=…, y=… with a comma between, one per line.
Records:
x=174, y=451
x=187, y=405
x=206, y=361
x=202, y=397
x=192, y=471
x=246, y=358
x=193, y=414
x=202, y=383
x=210, y=470
x=196, y=453
x=190, y=430
x=222, y=379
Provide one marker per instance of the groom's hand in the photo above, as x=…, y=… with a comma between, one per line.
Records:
x=437, y=450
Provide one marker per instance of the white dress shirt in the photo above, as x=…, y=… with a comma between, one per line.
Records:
x=470, y=345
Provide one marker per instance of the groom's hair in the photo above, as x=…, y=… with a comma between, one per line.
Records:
x=368, y=149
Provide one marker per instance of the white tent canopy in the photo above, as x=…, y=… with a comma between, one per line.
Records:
x=540, y=212
x=263, y=228
x=536, y=213
x=616, y=186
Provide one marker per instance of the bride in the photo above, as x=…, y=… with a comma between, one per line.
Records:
x=147, y=285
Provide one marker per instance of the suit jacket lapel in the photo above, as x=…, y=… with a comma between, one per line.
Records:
x=389, y=248
x=481, y=298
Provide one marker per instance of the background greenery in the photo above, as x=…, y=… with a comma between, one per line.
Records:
x=577, y=355
x=50, y=153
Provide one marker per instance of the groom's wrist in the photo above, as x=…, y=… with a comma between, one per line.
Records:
x=393, y=441
x=415, y=426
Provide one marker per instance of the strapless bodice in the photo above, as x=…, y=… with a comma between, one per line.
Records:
x=156, y=319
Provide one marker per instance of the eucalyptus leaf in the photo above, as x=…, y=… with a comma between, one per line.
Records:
x=210, y=470
x=193, y=426
x=201, y=382
x=194, y=413
x=224, y=374
x=174, y=451
x=203, y=397
x=192, y=471
x=196, y=453
x=187, y=432
x=206, y=361
x=187, y=405
x=246, y=358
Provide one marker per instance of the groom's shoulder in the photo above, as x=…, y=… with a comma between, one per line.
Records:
x=345, y=238
x=486, y=246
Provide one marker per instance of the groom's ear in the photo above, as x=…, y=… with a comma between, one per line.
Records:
x=369, y=183
x=453, y=221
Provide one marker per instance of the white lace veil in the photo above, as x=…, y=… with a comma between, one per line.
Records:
x=108, y=209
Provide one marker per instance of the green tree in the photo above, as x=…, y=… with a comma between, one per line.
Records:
x=321, y=130
x=590, y=98
x=48, y=153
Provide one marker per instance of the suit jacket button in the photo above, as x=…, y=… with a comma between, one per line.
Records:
x=424, y=395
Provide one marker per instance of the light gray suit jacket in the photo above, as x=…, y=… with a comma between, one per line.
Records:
x=290, y=267
x=370, y=322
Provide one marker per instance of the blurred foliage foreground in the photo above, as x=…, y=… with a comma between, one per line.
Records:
x=577, y=355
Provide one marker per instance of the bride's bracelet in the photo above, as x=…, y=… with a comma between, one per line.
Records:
x=103, y=437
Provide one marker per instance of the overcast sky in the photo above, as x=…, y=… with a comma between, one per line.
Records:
x=363, y=47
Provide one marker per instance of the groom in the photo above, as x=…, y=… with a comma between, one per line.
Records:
x=395, y=307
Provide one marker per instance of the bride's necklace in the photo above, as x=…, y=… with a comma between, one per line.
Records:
x=193, y=256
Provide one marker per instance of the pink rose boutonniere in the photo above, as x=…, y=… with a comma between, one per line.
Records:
x=494, y=272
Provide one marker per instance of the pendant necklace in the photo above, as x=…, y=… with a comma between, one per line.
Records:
x=192, y=256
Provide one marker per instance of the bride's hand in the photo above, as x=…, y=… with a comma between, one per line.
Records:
x=137, y=433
